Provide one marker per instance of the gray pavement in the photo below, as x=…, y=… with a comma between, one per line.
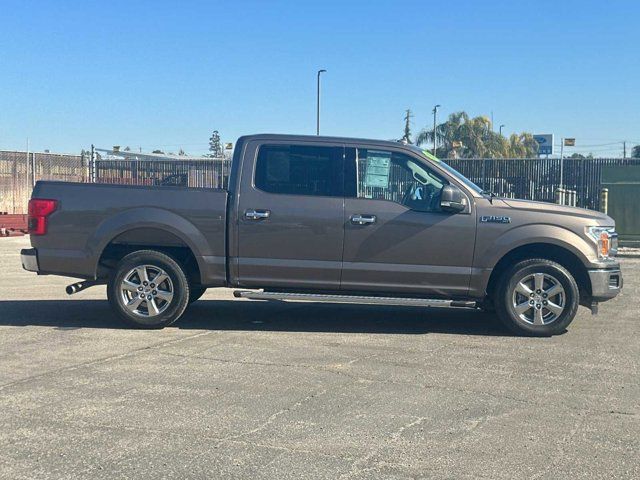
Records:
x=241, y=389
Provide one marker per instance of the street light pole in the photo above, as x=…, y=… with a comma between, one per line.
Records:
x=501, y=129
x=318, y=104
x=435, y=138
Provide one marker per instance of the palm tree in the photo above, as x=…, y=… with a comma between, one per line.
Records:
x=522, y=146
x=477, y=138
x=447, y=133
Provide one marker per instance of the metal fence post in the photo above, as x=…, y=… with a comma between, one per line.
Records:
x=484, y=175
x=92, y=165
x=604, y=200
x=32, y=167
x=14, y=178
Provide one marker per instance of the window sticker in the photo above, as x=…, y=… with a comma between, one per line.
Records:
x=377, y=173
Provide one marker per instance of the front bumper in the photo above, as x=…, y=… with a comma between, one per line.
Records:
x=29, y=258
x=605, y=284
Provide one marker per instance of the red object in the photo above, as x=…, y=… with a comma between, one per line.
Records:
x=39, y=210
x=12, y=224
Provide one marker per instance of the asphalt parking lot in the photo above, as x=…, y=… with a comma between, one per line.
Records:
x=241, y=389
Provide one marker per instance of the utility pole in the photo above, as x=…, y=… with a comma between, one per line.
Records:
x=407, y=126
x=624, y=149
x=435, y=136
x=318, y=104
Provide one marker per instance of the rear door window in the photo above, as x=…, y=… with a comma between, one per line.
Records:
x=300, y=170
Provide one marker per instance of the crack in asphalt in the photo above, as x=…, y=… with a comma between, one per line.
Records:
x=275, y=415
x=98, y=361
x=362, y=379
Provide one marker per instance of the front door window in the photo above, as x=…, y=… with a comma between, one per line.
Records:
x=385, y=175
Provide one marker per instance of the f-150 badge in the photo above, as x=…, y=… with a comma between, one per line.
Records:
x=494, y=219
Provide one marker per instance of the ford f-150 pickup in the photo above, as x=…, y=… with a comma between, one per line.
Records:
x=327, y=219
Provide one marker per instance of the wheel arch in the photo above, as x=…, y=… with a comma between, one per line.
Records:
x=149, y=228
x=549, y=251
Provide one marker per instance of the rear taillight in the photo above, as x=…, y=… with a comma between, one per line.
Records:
x=39, y=210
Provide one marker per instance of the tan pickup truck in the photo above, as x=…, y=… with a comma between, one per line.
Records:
x=327, y=219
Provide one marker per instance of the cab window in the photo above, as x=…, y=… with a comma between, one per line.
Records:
x=299, y=170
x=386, y=175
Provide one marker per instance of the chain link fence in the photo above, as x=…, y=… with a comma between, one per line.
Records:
x=130, y=168
x=14, y=182
x=20, y=170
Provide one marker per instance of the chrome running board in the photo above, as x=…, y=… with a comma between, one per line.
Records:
x=357, y=299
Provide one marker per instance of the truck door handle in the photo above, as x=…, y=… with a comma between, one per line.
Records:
x=256, y=214
x=363, y=219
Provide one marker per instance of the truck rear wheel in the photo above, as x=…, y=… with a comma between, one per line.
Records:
x=537, y=297
x=148, y=289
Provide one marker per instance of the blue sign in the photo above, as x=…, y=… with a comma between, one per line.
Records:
x=545, y=144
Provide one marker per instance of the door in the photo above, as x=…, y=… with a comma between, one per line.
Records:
x=397, y=238
x=623, y=183
x=290, y=216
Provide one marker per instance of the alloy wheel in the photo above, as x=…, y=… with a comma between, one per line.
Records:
x=539, y=299
x=146, y=291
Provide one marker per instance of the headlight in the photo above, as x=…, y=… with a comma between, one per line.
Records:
x=606, y=240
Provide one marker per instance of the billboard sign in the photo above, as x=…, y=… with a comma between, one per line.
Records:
x=545, y=143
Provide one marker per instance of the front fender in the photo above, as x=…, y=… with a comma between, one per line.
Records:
x=147, y=217
x=491, y=253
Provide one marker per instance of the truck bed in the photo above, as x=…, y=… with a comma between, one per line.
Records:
x=91, y=216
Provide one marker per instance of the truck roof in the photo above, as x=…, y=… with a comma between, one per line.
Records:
x=319, y=138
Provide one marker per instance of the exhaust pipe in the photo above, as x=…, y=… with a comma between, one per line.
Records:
x=79, y=286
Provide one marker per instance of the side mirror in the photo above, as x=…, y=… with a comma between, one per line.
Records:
x=452, y=199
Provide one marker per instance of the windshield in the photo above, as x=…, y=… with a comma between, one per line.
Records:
x=430, y=157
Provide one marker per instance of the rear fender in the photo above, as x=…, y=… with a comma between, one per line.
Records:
x=148, y=217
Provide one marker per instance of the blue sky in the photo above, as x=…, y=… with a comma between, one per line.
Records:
x=163, y=74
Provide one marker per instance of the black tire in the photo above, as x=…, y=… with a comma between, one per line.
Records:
x=195, y=293
x=168, y=307
x=538, y=320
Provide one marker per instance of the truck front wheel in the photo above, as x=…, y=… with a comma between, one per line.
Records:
x=537, y=297
x=148, y=289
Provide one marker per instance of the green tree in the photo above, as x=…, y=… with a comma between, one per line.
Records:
x=521, y=146
x=215, y=145
x=635, y=152
x=477, y=139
